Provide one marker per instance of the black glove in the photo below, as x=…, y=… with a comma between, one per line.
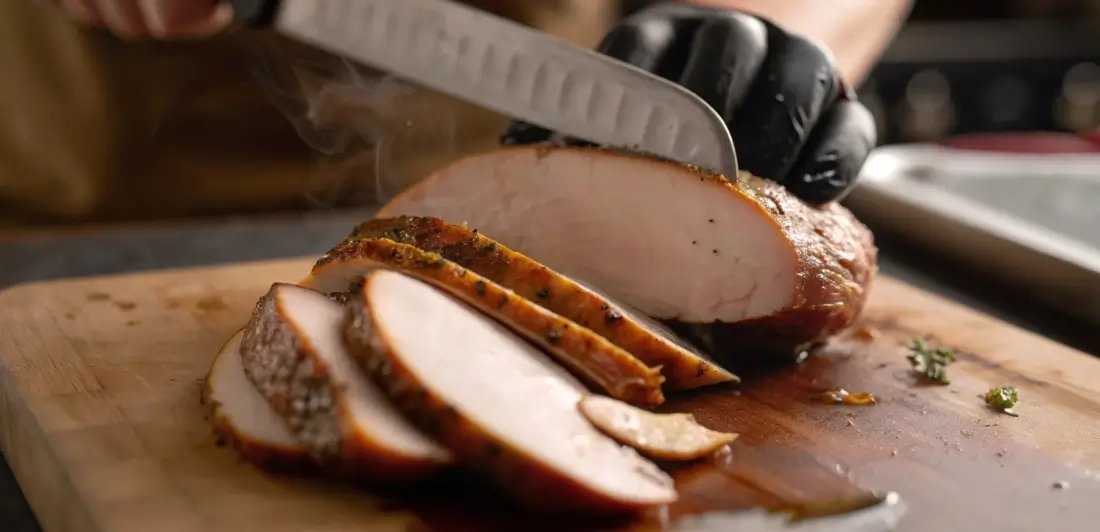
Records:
x=791, y=117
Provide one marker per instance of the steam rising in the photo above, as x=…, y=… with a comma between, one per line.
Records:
x=367, y=130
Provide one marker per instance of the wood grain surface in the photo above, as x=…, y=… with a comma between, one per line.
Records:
x=103, y=427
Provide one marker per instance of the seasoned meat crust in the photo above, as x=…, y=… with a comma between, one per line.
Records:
x=739, y=266
x=495, y=402
x=292, y=353
x=683, y=366
x=837, y=262
x=592, y=358
x=243, y=419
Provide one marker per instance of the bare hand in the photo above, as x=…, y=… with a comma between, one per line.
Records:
x=143, y=19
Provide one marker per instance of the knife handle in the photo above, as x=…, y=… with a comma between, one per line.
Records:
x=254, y=13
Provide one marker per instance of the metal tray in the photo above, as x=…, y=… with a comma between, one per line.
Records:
x=1032, y=221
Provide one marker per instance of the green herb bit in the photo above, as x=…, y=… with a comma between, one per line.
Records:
x=1002, y=399
x=932, y=363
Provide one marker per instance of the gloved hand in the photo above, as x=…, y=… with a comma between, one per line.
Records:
x=791, y=117
x=161, y=19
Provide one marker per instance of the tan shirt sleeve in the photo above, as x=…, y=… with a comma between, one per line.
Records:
x=99, y=129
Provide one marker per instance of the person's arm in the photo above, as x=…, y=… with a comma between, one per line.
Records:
x=856, y=31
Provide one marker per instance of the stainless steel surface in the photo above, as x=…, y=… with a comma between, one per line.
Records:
x=881, y=517
x=519, y=72
x=1029, y=220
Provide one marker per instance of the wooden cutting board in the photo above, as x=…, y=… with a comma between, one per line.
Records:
x=104, y=430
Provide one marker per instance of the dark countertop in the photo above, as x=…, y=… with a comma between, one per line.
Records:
x=236, y=240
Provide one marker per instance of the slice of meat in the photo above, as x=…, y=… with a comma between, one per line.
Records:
x=661, y=436
x=741, y=266
x=294, y=354
x=243, y=419
x=593, y=358
x=494, y=400
x=683, y=366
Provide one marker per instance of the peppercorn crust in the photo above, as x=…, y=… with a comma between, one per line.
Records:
x=264, y=455
x=682, y=367
x=286, y=369
x=591, y=357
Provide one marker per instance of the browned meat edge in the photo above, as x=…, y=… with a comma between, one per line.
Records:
x=549, y=289
x=592, y=358
x=535, y=486
x=837, y=260
x=836, y=253
x=295, y=382
x=259, y=454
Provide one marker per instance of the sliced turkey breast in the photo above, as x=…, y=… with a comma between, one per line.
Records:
x=494, y=400
x=683, y=366
x=294, y=354
x=674, y=436
x=599, y=362
x=244, y=420
x=741, y=266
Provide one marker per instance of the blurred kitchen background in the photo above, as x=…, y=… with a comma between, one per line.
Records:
x=988, y=175
x=981, y=66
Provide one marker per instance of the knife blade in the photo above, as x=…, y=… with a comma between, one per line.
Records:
x=508, y=68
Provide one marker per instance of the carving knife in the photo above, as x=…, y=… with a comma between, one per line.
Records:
x=511, y=69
